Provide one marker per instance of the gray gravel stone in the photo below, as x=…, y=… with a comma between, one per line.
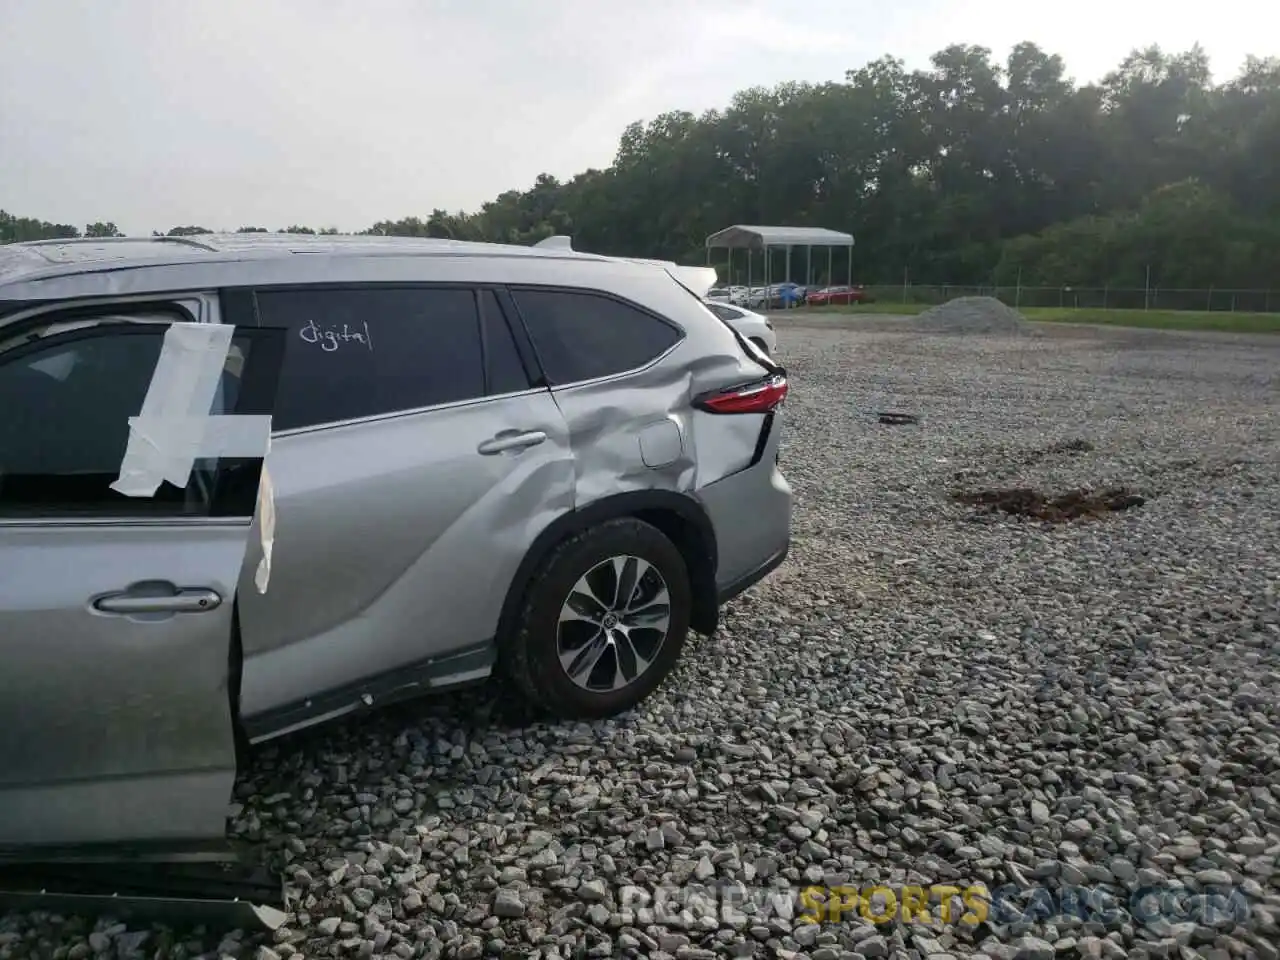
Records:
x=507, y=904
x=874, y=946
x=1033, y=948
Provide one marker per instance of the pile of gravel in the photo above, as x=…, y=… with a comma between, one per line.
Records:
x=970, y=315
x=917, y=697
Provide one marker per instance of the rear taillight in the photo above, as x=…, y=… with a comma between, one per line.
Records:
x=760, y=396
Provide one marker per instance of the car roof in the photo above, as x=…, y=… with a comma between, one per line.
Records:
x=47, y=259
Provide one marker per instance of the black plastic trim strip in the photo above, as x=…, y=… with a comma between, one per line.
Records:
x=486, y=377
x=374, y=692
x=749, y=580
x=177, y=891
x=762, y=442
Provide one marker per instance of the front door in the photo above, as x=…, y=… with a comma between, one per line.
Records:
x=131, y=444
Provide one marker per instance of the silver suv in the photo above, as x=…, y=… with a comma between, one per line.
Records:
x=480, y=457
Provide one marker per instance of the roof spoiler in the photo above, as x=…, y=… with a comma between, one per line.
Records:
x=699, y=280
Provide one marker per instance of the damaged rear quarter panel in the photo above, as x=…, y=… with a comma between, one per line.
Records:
x=614, y=423
x=379, y=564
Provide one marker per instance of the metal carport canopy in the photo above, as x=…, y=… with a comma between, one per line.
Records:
x=766, y=239
x=743, y=237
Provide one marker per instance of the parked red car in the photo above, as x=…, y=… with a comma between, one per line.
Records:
x=837, y=296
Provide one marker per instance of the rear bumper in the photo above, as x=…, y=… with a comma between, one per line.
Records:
x=747, y=581
x=750, y=512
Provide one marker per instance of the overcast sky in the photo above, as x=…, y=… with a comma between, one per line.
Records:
x=223, y=113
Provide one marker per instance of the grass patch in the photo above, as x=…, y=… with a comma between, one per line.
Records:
x=1152, y=319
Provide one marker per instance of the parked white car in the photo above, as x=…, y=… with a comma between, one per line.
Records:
x=734, y=295
x=750, y=324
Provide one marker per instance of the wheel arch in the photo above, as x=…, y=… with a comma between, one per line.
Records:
x=681, y=519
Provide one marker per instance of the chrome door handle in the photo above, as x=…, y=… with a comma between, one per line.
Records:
x=511, y=440
x=183, y=601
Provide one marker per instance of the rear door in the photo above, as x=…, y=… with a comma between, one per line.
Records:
x=131, y=445
x=415, y=460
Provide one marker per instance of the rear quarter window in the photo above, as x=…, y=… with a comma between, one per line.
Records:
x=583, y=336
x=724, y=313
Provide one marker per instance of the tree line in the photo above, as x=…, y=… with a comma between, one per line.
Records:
x=968, y=171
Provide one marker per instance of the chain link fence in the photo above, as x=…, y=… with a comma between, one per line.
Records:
x=1106, y=298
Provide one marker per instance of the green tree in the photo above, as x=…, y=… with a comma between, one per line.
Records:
x=102, y=230
x=963, y=171
x=14, y=229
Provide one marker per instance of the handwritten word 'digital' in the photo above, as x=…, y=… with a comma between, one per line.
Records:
x=330, y=339
x=908, y=904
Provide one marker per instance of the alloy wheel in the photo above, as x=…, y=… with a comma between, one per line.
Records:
x=613, y=624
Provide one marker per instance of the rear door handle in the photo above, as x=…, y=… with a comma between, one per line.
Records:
x=183, y=601
x=511, y=440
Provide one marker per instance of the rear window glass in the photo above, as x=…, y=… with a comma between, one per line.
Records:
x=582, y=336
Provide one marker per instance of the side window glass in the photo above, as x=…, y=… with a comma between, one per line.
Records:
x=506, y=372
x=360, y=352
x=77, y=390
x=580, y=336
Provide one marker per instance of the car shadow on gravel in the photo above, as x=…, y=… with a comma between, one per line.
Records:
x=424, y=724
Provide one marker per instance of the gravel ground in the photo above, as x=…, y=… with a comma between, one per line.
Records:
x=924, y=694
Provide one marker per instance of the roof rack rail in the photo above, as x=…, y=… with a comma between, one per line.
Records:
x=53, y=241
x=185, y=241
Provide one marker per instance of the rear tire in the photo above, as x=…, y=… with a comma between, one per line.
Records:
x=605, y=653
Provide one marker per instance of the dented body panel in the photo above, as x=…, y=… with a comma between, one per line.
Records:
x=377, y=566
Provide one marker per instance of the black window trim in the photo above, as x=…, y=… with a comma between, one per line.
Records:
x=86, y=308
x=256, y=396
x=532, y=373
x=514, y=288
x=243, y=297
x=486, y=375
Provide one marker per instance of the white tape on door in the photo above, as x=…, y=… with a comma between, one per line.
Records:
x=175, y=427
